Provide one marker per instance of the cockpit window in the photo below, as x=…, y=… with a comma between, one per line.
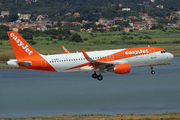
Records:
x=163, y=51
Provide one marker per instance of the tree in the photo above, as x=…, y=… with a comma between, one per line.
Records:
x=26, y=30
x=59, y=37
x=13, y=17
x=153, y=27
x=159, y=26
x=94, y=27
x=66, y=32
x=3, y=32
x=75, y=38
x=53, y=36
x=4, y=28
x=28, y=36
x=3, y=35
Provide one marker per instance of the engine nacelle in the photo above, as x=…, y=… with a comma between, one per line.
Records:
x=120, y=69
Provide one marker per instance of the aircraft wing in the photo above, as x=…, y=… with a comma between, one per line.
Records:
x=95, y=63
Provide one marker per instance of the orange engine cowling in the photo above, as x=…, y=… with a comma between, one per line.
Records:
x=120, y=69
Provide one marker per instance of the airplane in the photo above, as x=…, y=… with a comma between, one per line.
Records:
x=118, y=61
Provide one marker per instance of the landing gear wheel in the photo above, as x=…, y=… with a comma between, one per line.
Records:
x=152, y=72
x=94, y=75
x=99, y=77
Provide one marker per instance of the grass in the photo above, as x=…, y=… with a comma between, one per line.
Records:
x=158, y=116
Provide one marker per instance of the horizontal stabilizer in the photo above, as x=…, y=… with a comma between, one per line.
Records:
x=15, y=63
x=26, y=63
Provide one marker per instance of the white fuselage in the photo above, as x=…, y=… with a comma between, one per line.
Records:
x=63, y=62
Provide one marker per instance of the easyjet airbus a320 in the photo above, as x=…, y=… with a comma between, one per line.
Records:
x=118, y=61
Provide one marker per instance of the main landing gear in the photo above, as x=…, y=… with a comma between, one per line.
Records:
x=152, y=71
x=95, y=76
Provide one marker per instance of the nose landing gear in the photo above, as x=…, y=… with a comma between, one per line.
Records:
x=152, y=71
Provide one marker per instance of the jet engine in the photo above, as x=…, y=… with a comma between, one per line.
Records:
x=120, y=69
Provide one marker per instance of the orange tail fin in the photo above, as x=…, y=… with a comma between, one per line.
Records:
x=26, y=56
x=20, y=47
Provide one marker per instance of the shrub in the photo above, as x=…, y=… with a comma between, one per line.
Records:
x=130, y=37
x=85, y=39
x=175, y=41
x=147, y=37
x=54, y=41
x=124, y=33
x=140, y=37
x=124, y=37
x=53, y=36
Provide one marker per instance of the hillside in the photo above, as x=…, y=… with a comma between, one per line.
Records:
x=61, y=3
x=90, y=10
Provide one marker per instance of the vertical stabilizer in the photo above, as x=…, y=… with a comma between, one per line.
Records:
x=20, y=47
x=26, y=56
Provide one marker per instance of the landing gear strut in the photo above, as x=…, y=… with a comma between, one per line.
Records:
x=95, y=76
x=152, y=71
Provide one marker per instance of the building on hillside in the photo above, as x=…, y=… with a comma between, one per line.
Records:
x=43, y=28
x=131, y=24
x=83, y=30
x=3, y=13
x=160, y=6
x=109, y=23
x=29, y=1
x=68, y=14
x=76, y=14
x=152, y=0
x=85, y=22
x=18, y=21
x=143, y=14
x=24, y=16
x=118, y=18
x=178, y=22
x=169, y=25
x=154, y=23
x=63, y=23
x=127, y=29
x=178, y=13
x=102, y=21
x=39, y=18
x=75, y=23
x=126, y=9
x=55, y=22
x=132, y=17
x=15, y=29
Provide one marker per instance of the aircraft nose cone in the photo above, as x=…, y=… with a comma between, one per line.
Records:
x=170, y=56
